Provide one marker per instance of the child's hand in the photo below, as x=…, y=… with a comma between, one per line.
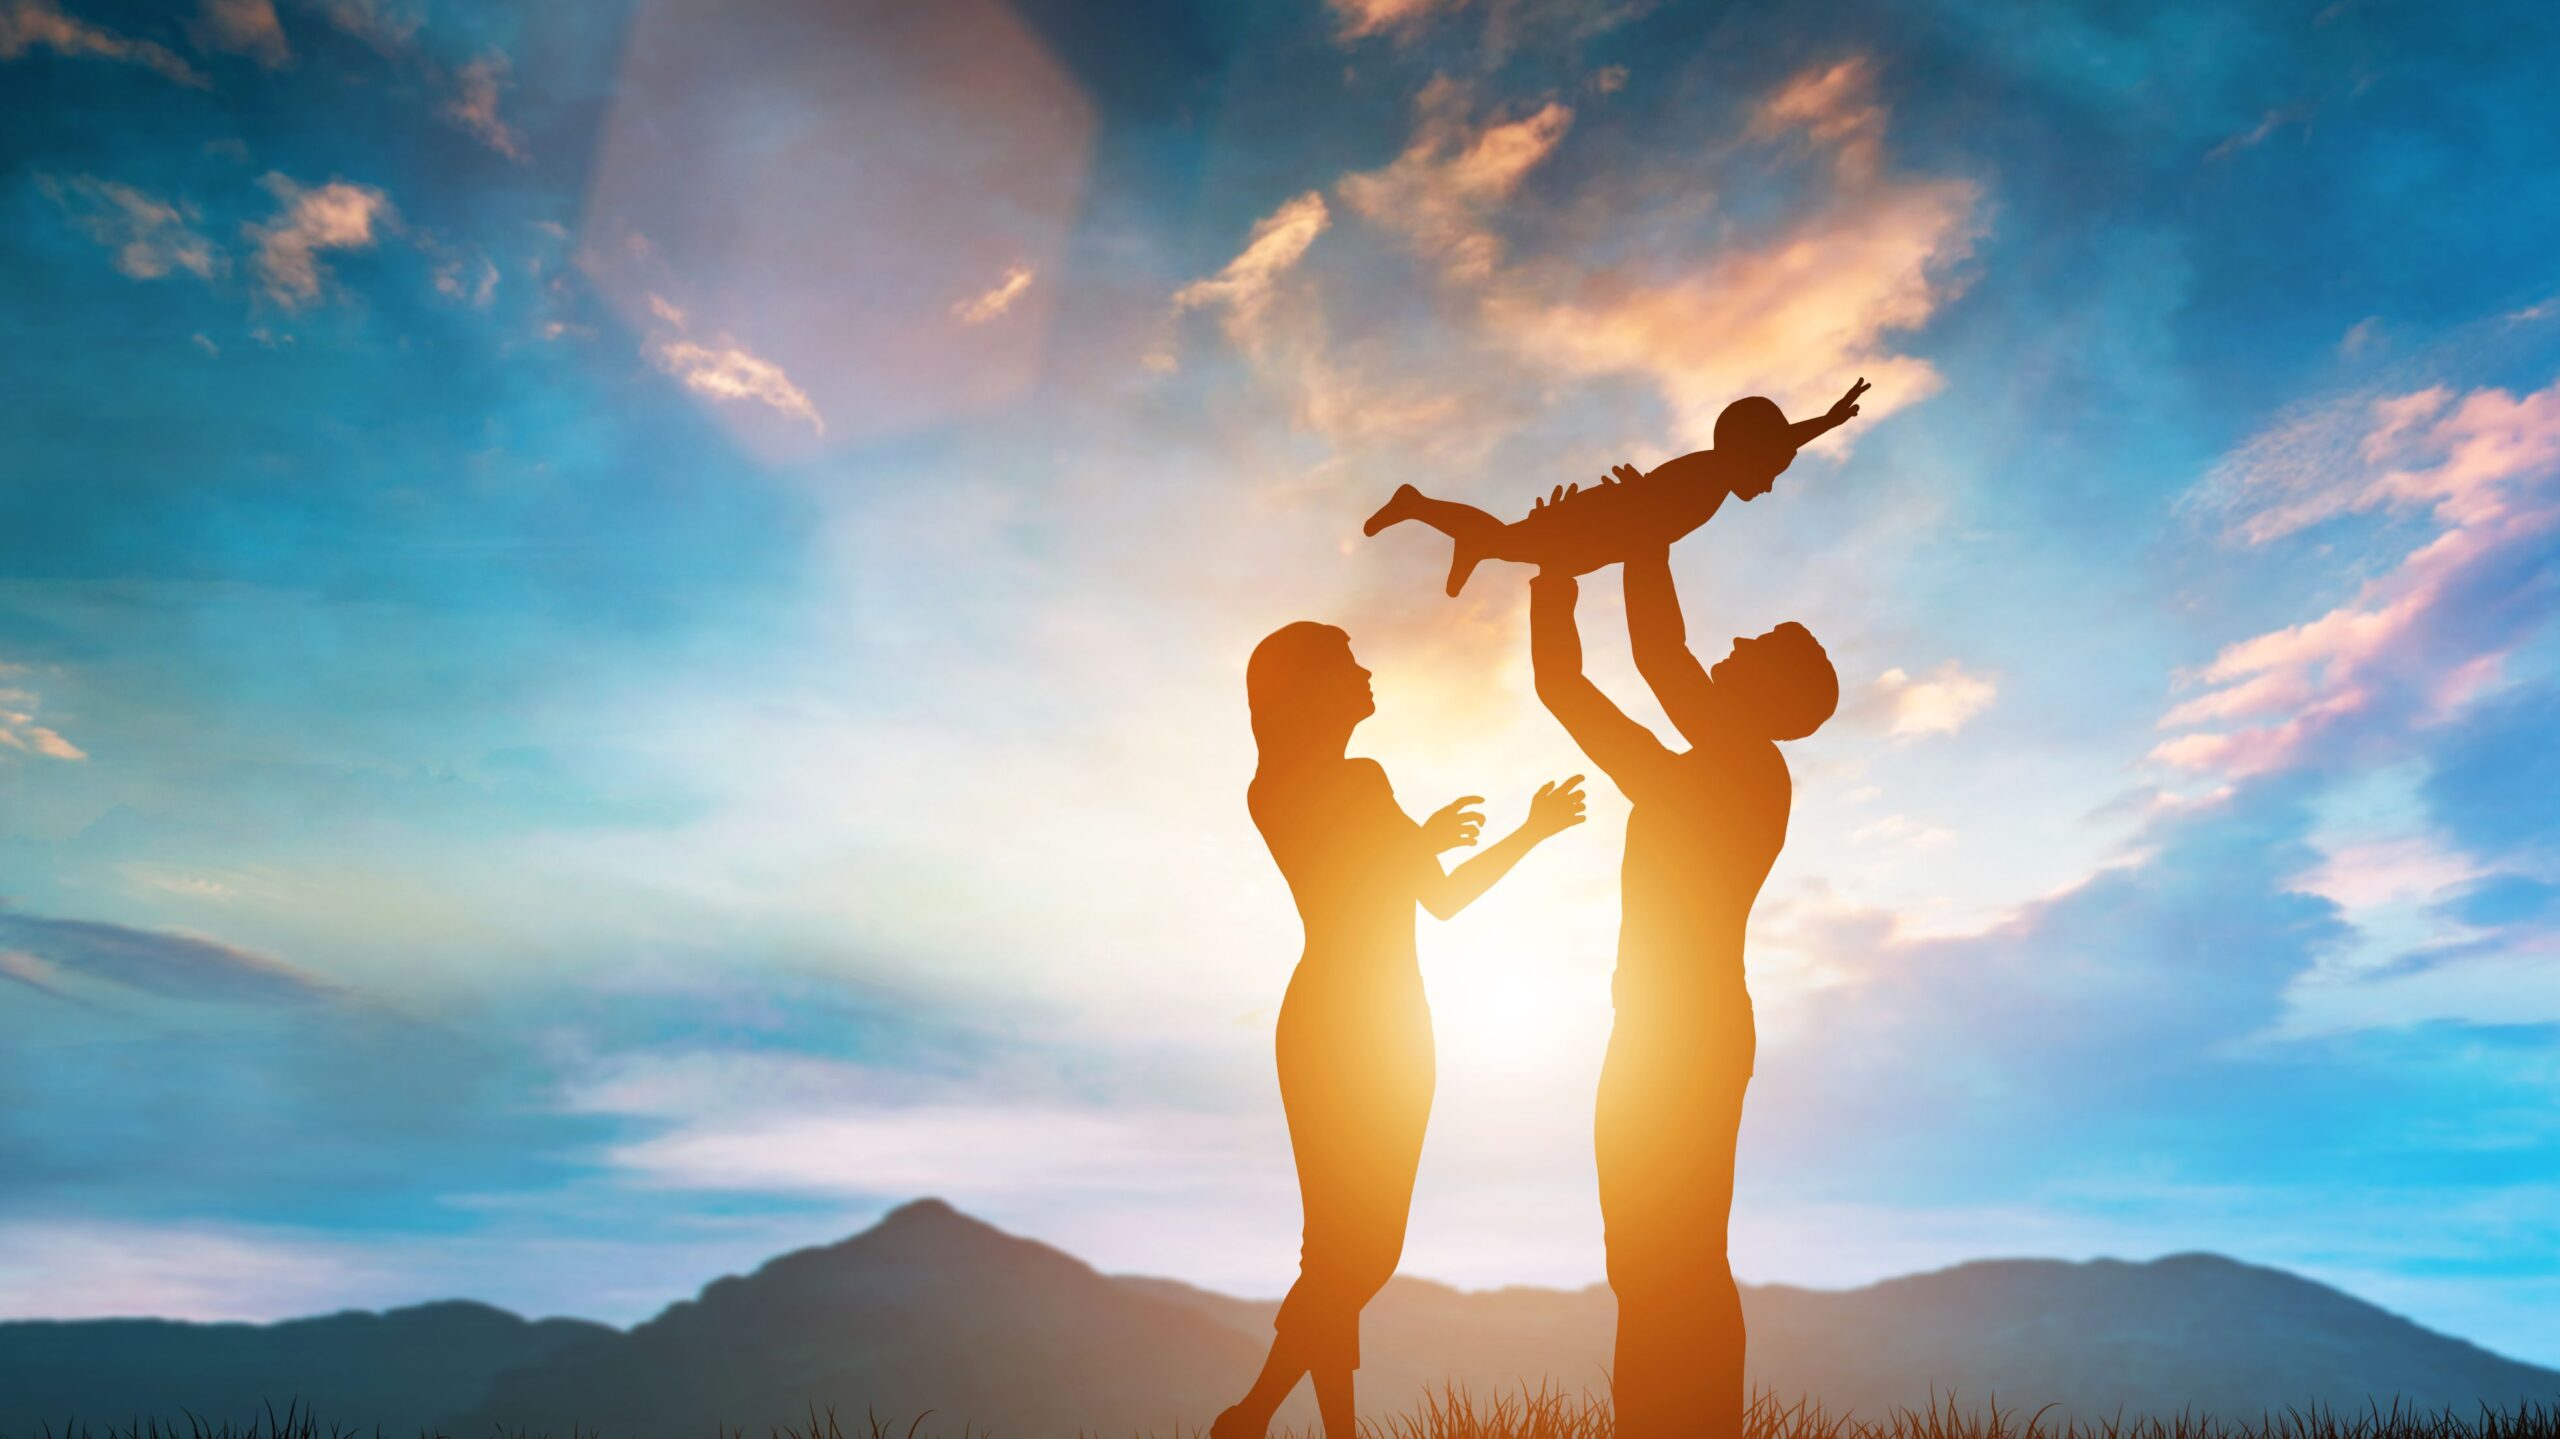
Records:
x=1454, y=826
x=1556, y=807
x=1846, y=408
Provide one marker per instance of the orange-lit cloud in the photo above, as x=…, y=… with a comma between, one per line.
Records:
x=150, y=236
x=1940, y=703
x=334, y=216
x=1437, y=195
x=474, y=105
x=1371, y=17
x=979, y=309
x=1835, y=106
x=40, y=25
x=244, y=27
x=727, y=370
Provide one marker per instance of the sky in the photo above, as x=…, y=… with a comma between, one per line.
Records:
x=622, y=625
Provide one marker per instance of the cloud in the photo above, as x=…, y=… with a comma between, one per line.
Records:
x=1795, y=315
x=1438, y=194
x=1371, y=17
x=1942, y=703
x=981, y=308
x=1834, y=107
x=726, y=370
x=474, y=105
x=150, y=236
x=2419, y=641
x=19, y=730
x=456, y=280
x=244, y=27
x=1904, y=831
x=79, y=1268
x=1241, y=291
x=389, y=27
x=178, y=966
x=27, y=25
x=334, y=216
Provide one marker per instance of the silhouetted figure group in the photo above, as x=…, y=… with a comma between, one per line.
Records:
x=1705, y=826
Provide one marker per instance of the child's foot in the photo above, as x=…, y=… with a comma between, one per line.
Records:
x=1237, y=1424
x=1395, y=511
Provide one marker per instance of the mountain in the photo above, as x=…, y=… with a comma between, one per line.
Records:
x=931, y=1309
x=2193, y=1332
x=403, y=1369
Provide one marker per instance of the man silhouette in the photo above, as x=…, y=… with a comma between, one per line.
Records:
x=1707, y=824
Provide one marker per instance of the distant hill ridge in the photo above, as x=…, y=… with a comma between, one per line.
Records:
x=931, y=1309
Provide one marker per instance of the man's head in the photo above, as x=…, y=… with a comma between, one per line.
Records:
x=1781, y=682
x=1752, y=441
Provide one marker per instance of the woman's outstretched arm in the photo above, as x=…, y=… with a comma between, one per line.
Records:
x=1555, y=808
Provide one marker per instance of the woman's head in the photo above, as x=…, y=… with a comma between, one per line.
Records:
x=1304, y=688
x=1782, y=681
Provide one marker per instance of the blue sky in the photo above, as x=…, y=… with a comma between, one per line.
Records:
x=621, y=626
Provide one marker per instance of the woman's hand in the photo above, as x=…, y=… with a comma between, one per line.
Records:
x=1454, y=826
x=1555, y=808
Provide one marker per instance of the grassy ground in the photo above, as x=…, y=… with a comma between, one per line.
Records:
x=1554, y=1416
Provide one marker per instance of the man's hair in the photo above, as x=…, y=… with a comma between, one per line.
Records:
x=1807, y=688
x=1752, y=423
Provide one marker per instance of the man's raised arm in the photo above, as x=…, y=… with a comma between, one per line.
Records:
x=1623, y=749
x=1660, y=639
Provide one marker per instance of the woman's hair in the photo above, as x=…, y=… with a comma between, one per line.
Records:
x=1275, y=678
x=1808, y=688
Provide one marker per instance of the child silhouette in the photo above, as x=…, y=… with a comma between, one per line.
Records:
x=1574, y=531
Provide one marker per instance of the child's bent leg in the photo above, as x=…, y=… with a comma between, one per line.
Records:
x=1475, y=532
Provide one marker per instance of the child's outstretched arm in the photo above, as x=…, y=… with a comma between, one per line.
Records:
x=1842, y=411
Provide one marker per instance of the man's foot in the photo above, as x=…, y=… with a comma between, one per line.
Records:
x=1395, y=511
x=1237, y=1424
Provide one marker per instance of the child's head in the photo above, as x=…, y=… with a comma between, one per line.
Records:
x=1783, y=680
x=1751, y=436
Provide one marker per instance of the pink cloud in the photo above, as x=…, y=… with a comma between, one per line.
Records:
x=1437, y=194
x=2479, y=466
x=474, y=105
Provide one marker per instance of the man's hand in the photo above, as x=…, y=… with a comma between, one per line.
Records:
x=1846, y=407
x=1454, y=826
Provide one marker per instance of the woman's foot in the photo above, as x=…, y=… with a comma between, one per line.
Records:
x=1237, y=1424
x=1395, y=511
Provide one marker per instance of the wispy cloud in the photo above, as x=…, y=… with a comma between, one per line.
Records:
x=181, y=966
x=309, y=222
x=1241, y=292
x=1371, y=17
x=19, y=729
x=389, y=26
x=726, y=369
x=1439, y=193
x=150, y=236
x=2422, y=638
x=244, y=27
x=1940, y=703
x=27, y=25
x=1834, y=106
x=474, y=105
x=979, y=309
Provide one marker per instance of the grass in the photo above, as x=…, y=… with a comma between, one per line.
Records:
x=1453, y=1414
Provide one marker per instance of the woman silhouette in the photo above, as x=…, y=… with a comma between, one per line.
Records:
x=1355, y=1035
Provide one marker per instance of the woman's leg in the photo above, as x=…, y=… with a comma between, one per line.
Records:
x=1334, y=1405
x=1250, y=1417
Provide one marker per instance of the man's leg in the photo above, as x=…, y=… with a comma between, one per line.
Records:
x=1669, y=1115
